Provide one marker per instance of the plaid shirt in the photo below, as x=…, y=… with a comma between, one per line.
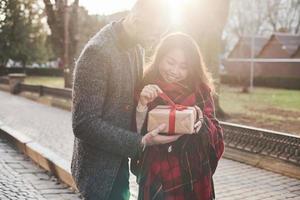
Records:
x=183, y=169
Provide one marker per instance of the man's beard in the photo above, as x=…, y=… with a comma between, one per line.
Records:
x=148, y=43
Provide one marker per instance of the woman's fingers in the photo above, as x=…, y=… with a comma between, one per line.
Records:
x=198, y=109
x=199, y=123
x=150, y=93
x=145, y=97
x=153, y=91
x=157, y=88
x=149, y=89
x=199, y=112
x=198, y=126
x=146, y=94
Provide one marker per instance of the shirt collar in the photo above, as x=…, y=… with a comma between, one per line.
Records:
x=123, y=39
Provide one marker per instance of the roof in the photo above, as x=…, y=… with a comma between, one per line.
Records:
x=296, y=53
x=289, y=42
x=259, y=43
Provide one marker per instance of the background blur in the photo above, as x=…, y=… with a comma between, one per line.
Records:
x=252, y=48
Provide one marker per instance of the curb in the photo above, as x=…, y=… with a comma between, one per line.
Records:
x=263, y=162
x=42, y=156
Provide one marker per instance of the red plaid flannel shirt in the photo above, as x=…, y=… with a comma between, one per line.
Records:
x=173, y=176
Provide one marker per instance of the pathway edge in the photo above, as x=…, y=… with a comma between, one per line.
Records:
x=42, y=156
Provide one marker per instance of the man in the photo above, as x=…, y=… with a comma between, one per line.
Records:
x=106, y=75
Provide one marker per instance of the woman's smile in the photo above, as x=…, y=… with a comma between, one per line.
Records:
x=171, y=78
x=173, y=66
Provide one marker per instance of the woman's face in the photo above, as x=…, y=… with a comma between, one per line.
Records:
x=173, y=66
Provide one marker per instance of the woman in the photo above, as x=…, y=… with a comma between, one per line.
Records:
x=182, y=169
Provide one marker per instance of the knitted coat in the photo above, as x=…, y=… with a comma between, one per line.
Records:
x=105, y=76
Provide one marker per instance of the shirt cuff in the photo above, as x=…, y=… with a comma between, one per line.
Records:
x=141, y=108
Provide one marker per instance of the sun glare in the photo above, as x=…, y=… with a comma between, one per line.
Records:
x=106, y=6
x=112, y=6
x=176, y=11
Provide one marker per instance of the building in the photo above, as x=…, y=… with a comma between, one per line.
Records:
x=276, y=60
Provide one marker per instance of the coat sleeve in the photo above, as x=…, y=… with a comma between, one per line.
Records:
x=212, y=127
x=89, y=94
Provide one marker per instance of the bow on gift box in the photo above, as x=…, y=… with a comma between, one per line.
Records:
x=173, y=107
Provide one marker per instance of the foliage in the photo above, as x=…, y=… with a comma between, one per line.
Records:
x=261, y=18
x=22, y=35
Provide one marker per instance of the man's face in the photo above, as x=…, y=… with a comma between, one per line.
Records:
x=150, y=26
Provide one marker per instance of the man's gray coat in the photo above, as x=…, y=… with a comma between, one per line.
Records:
x=105, y=77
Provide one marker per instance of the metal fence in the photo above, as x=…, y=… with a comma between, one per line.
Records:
x=4, y=81
x=274, y=144
x=64, y=93
x=44, y=90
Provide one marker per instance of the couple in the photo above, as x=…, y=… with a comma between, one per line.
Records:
x=112, y=95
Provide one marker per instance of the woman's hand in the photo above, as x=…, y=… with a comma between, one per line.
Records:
x=148, y=94
x=198, y=124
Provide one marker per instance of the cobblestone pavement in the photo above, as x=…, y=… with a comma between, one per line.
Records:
x=51, y=127
x=21, y=179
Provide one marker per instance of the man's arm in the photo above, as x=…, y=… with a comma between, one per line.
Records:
x=89, y=94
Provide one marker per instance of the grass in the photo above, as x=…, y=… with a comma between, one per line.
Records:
x=275, y=109
x=57, y=82
x=232, y=100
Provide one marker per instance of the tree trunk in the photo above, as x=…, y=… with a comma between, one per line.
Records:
x=54, y=20
x=66, y=43
x=62, y=21
x=206, y=21
x=73, y=42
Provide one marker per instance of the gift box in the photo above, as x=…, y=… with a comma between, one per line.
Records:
x=178, y=119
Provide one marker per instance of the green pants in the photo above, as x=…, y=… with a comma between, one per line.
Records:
x=120, y=190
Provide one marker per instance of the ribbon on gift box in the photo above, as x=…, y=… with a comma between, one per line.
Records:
x=173, y=108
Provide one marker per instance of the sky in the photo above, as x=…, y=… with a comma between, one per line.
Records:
x=106, y=6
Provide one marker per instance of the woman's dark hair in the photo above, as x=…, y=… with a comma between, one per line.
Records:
x=197, y=70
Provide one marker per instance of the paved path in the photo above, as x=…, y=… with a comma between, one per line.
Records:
x=51, y=127
x=21, y=179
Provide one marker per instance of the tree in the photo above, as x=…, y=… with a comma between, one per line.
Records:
x=262, y=17
x=88, y=25
x=247, y=17
x=284, y=15
x=22, y=35
x=63, y=23
x=205, y=20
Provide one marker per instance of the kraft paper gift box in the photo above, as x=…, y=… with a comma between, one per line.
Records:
x=184, y=119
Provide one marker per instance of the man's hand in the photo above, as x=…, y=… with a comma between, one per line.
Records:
x=153, y=137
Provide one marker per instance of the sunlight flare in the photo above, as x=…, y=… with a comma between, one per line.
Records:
x=176, y=7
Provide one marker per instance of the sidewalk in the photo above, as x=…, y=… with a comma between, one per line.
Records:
x=51, y=127
x=22, y=179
